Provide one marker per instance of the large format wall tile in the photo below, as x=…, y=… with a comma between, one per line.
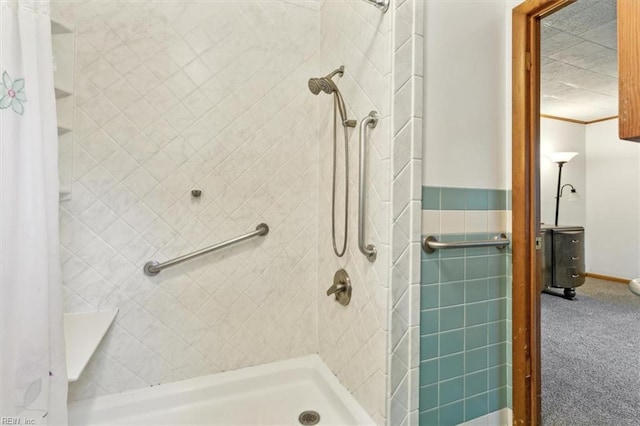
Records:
x=173, y=96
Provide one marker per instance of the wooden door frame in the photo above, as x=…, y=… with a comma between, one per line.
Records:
x=526, y=372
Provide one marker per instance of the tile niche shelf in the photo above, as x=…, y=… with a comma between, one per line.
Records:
x=64, y=52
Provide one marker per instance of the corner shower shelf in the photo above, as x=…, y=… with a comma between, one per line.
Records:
x=63, y=130
x=61, y=93
x=83, y=333
x=60, y=28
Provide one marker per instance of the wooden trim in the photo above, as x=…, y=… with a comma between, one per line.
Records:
x=526, y=207
x=602, y=119
x=629, y=69
x=608, y=278
x=571, y=120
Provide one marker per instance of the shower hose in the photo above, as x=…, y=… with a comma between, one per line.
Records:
x=339, y=253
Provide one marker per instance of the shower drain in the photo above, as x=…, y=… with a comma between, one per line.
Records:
x=309, y=417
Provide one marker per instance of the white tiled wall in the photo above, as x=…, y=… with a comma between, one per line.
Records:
x=379, y=54
x=173, y=96
x=404, y=337
x=353, y=339
x=212, y=95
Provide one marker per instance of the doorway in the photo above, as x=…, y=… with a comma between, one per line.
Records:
x=527, y=196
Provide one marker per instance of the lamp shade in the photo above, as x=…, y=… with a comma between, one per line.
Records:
x=561, y=157
x=573, y=196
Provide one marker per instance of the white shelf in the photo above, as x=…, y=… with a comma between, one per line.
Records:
x=63, y=130
x=83, y=333
x=61, y=93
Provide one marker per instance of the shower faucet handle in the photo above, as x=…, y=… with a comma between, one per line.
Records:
x=341, y=287
x=336, y=288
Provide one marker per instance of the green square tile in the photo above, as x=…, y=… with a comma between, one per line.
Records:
x=497, y=332
x=451, y=253
x=451, y=342
x=429, y=418
x=428, y=347
x=428, y=397
x=476, y=199
x=451, y=293
x=476, y=290
x=510, y=200
x=497, y=199
x=430, y=198
x=429, y=372
x=497, y=399
x=476, y=267
x=475, y=337
x=451, y=318
x=475, y=383
x=452, y=414
x=476, y=251
x=497, y=376
x=497, y=310
x=509, y=396
x=476, y=406
x=497, y=354
x=476, y=313
x=429, y=321
x=451, y=366
x=497, y=287
x=497, y=265
x=475, y=360
x=451, y=270
x=429, y=296
x=451, y=390
x=452, y=199
x=429, y=271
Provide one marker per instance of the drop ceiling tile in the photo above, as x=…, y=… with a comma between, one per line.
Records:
x=610, y=69
x=606, y=34
x=561, y=40
x=585, y=55
x=579, y=61
x=593, y=99
x=595, y=14
x=575, y=111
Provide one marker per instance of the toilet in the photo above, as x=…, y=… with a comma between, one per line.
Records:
x=634, y=286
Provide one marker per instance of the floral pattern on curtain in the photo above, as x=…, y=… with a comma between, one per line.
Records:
x=33, y=378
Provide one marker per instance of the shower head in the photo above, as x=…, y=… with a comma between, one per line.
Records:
x=322, y=84
x=325, y=84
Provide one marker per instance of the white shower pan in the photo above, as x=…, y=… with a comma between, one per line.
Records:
x=270, y=394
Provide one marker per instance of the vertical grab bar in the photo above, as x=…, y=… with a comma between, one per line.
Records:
x=369, y=251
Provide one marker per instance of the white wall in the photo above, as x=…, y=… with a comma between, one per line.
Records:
x=173, y=96
x=557, y=135
x=613, y=202
x=466, y=80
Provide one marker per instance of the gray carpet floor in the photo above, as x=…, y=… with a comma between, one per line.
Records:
x=591, y=356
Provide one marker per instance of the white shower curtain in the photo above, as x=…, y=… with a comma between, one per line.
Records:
x=33, y=369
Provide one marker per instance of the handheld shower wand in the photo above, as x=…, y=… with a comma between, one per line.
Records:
x=326, y=84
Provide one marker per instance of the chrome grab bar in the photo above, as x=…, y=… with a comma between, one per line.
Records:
x=371, y=121
x=432, y=244
x=152, y=267
x=383, y=5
